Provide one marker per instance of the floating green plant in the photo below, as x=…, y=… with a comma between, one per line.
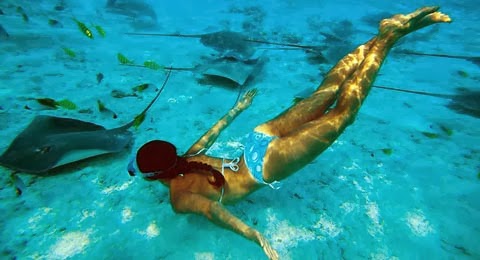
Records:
x=123, y=60
x=446, y=130
x=387, y=151
x=430, y=135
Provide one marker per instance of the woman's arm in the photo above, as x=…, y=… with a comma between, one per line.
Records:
x=187, y=202
x=211, y=135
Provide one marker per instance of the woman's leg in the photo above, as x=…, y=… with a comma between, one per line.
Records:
x=304, y=142
x=315, y=106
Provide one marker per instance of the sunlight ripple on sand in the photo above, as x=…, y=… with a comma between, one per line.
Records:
x=284, y=235
x=151, y=231
x=418, y=224
x=327, y=226
x=204, y=256
x=127, y=214
x=110, y=189
x=69, y=245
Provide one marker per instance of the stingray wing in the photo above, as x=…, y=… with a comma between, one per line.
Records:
x=49, y=142
x=236, y=71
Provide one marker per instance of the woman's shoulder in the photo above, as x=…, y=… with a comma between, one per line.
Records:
x=194, y=182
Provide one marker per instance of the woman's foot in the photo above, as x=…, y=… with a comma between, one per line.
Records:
x=400, y=25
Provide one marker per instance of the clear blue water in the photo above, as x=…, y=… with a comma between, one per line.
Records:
x=384, y=190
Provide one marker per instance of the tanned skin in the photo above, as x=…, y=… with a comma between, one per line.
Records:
x=303, y=131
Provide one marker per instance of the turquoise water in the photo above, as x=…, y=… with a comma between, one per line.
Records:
x=402, y=182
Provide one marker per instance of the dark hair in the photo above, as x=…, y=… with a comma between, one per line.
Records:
x=158, y=160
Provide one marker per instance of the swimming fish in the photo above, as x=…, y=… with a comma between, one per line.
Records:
x=99, y=77
x=152, y=65
x=18, y=184
x=103, y=109
x=60, y=6
x=23, y=14
x=121, y=94
x=1, y=12
x=69, y=52
x=3, y=33
x=25, y=17
x=83, y=28
x=100, y=30
x=55, y=23
x=52, y=103
x=138, y=121
x=141, y=87
x=123, y=60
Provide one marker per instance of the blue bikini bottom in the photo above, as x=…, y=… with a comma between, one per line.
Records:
x=255, y=148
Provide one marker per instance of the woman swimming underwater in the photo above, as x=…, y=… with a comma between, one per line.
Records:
x=278, y=148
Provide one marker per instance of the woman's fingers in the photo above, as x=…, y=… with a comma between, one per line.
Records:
x=267, y=248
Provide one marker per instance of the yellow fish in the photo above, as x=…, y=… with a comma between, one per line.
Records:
x=69, y=52
x=84, y=29
x=123, y=60
x=152, y=65
x=141, y=87
x=138, y=120
x=100, y=30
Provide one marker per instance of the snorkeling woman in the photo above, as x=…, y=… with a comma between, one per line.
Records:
x=201, y=184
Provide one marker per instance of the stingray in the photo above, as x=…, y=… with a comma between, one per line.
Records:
x=133, y=9
x=49, y=142
x=238, y=71
x=234, y=70
x=229, y=43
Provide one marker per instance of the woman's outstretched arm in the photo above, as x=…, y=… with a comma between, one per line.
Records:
x=211, y=135
x=187, y=202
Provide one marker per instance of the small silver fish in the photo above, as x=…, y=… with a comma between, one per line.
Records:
x=99, y=77
x=18, y=184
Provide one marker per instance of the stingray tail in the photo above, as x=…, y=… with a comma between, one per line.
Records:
x=167, y=35
x=474, y=60
x=447, y=96
x=140, y=117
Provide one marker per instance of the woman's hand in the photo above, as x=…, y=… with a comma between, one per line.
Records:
x=267, y=248
x=247, y=99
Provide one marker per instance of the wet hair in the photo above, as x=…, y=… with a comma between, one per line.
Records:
x=158, y=160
